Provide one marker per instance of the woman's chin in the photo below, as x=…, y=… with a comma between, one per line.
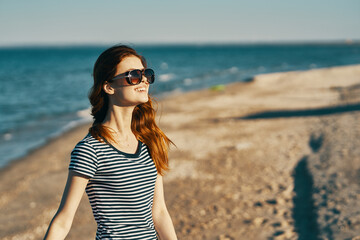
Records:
x=143, y=99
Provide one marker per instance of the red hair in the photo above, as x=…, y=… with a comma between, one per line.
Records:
x=143, y=118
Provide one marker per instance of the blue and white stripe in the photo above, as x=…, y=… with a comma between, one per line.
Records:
x=120, y=188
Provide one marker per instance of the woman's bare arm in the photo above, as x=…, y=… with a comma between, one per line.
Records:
x=61, y=222
x=161, y=216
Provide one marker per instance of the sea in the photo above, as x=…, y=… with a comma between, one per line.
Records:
x=44, y=89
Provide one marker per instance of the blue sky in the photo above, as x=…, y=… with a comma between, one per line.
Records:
x=186, y=21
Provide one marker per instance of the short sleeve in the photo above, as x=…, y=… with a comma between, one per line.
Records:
x=83, y=159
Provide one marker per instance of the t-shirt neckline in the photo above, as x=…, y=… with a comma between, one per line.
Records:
x=130, y=155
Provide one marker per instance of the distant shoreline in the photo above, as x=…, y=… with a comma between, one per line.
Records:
x=167, y=44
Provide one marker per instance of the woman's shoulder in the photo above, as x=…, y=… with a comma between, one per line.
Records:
x=88, y=141
x=84, y=158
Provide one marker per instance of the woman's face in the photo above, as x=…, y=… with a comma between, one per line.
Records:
x=124, y=94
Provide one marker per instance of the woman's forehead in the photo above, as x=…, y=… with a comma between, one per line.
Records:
x=129, y=63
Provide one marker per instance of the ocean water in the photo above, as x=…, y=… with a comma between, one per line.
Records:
x=43, y=90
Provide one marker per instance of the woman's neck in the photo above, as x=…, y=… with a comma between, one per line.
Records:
x=119, y=120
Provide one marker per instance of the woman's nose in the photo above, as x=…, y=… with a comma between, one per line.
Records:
x=144, y=79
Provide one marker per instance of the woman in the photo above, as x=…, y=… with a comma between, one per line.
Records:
x=121, y=161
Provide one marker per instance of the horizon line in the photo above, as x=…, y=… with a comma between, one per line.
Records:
x=184, y=43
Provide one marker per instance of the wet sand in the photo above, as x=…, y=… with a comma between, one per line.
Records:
x=274, y=158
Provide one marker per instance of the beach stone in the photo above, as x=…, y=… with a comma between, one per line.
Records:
x=275, y=211
x=288, y=192
x=285, y=225
x=276, y=224
x=279, y=235
x=225, y=237
x=281, y=212
x=258, y=221
x=290, y=234
x=271, y=201
x=258, y=204
x=247, y=221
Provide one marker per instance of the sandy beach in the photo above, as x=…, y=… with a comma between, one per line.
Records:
x=273, y=158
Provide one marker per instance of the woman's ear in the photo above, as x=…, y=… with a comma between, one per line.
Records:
x=108, y=89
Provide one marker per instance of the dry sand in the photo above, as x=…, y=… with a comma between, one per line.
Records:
x=275, y=158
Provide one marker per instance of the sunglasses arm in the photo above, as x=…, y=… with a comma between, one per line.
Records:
x=121, y=76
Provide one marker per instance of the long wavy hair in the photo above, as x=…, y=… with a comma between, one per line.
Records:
x=143, y=118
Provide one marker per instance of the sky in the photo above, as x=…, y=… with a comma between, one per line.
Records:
x=46, y=22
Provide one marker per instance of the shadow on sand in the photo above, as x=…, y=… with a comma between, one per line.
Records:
x=304, y=112
x=304, y=212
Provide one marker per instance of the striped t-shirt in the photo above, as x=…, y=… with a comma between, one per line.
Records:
x=120, y=188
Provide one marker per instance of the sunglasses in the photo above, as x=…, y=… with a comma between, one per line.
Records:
x=134, y=77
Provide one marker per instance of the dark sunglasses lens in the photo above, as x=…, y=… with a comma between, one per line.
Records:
x=150, y=75
x=135, y=77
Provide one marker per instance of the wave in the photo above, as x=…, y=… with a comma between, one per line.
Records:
x=17, y=143
x=166, y=77
x=85, y=117
x=164, y=66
